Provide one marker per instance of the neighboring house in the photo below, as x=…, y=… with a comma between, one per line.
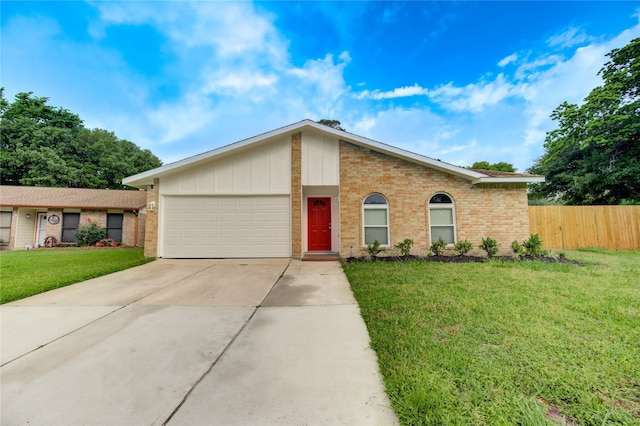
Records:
x=29, y=215
x=308, y=188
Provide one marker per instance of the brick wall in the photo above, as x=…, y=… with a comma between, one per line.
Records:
x=129, y=229
x=296, y=196
x=497, y=211
x=55, y=229
x=99, y=217
x=151, y=223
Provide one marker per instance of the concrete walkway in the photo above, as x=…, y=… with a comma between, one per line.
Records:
x=261, y=341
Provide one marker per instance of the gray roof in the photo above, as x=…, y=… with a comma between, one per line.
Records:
x=31, y=196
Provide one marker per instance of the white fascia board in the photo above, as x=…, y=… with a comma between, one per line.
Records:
x=518, y=179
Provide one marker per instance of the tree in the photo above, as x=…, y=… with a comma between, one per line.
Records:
x=41, y=145
x=592, y=157
x=331, y=123
x=499, y=167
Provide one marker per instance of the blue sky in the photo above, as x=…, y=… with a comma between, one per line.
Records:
x=457, y=81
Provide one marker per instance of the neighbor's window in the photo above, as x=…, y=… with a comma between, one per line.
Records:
x=70, y=222
x=442, y=218
x=114, y=226
x=5, y=227
x=376, y=219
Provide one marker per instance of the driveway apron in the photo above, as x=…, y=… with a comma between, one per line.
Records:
x=243, y=341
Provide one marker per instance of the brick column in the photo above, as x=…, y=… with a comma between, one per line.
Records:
x=296, y=195
x=151, y=225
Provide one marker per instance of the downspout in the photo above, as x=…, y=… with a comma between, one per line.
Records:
x=135, y=241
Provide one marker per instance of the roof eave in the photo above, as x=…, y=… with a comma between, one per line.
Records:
x=41, y=206
x=519, y=179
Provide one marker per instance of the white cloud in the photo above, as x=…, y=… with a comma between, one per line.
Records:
x=317, y=89
x=457, y=148
x=508, y=59
x=570, y=37
x=231, y=28
x=238, y=81
x=401, y=92
x=529, y=68
x=473, y=97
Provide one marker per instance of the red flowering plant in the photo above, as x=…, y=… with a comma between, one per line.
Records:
x=107, y=242
x=89, y=234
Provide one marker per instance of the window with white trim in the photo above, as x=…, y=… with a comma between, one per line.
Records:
x=5, y=227
x=442, y=218
x=376, y=219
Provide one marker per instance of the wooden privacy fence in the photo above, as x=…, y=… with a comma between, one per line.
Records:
x=569, y=227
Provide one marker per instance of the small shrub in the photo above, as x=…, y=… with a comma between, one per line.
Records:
x=490, y=246
x=107, y=242
x=375, y=249
x=518, y=249
x=404, y=247
x=463, y=247
x=89, y=234
x=533, y=246
x=437, y=248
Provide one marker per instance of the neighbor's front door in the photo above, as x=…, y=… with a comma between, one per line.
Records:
x=41, y=233
x=319, y=224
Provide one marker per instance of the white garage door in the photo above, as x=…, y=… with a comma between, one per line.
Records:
x=214, y=227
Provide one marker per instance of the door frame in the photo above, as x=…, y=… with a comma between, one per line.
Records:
x=331, y=192
x=309, y=207
x=37, y=238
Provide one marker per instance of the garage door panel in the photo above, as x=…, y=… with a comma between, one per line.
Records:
x=203, y=226
x=227, y=217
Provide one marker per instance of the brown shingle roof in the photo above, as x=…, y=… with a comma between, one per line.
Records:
x=29, y=196
x=495, y=173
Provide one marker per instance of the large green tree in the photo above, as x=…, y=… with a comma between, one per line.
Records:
x=593, y=156
x=499, y=167
x=46, y=146
x=331, y=123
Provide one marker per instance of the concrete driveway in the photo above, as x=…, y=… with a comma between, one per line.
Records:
x=260, y=341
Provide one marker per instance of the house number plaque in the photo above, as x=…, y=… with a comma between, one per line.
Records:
x=54, y=219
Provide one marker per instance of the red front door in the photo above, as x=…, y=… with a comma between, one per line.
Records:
x=319, y=224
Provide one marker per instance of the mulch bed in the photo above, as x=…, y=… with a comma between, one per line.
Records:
x=460, y=259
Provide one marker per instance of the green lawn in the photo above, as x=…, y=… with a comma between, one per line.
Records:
x=507, y=343
x=25, y=273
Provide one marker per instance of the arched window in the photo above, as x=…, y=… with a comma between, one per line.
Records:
x=376, y=219
x=442, y=218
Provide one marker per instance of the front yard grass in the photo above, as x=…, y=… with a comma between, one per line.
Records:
x=507, y=343
x=25, y=273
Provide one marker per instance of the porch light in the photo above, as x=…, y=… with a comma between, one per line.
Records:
x=28, y=216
